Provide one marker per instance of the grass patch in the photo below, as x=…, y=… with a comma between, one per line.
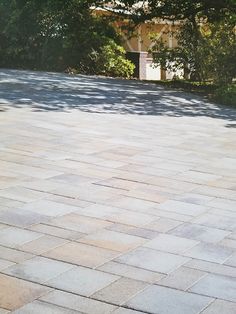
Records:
x=225, y=95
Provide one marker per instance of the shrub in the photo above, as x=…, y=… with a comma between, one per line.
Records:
x=111, y=60
x=226, y=95
x=57, y=35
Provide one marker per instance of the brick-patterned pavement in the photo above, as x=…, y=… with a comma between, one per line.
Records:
x=116, y=197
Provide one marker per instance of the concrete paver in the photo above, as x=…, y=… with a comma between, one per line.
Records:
x=116, y=196
x=162, y=300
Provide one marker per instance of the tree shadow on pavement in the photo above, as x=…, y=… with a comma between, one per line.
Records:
x=61, y=92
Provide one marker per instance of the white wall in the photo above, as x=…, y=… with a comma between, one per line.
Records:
x=152, y=73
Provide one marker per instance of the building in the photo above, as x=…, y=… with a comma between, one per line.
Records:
x=138, y=43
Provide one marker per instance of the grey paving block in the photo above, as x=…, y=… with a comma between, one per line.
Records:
x=219, y=307
x=140, y=232
x=2, y=311
x=220, y=269
x=200, y=233
x=162, y=300
x=216, y=221
x=21, y=194
x=216, y=286
x=5, y=264
x=183, y=208
x=163, y=224
x=120, y=291
x=38, y=269
x=209, y=252
x=83, y=281
x=152, y=260
x=42, y=307
x=13, y=255
x=182, y=278
x=56, y=231
x=131, y=272
x=49, y=208
x=12, y=237
x=21, y=218
x=122, y=310
x=78, y=303
x=170, y=243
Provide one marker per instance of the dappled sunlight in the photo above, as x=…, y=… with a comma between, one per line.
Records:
x=43, y=91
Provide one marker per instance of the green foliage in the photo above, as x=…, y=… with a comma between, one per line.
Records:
x=204, y=56
x=226, y=95
x=110, y=60
x=206, y=51
x=147, y=10
x=54, y=35
x=219, y=50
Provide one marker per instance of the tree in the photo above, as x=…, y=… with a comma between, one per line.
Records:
x=147, y=10
x=207, y=53
x=54, y=35
x=205, y=34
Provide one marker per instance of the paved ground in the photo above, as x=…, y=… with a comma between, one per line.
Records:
x=116, y=197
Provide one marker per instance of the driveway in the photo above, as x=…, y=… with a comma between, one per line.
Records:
x=116, y=197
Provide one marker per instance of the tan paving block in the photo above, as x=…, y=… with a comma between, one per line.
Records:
x=113, y=240
x=80, y=223
x=120, y=291
x=42, y=244
x=56, y=231
x=2, y=311
x=81, y=254
x=23, y=292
